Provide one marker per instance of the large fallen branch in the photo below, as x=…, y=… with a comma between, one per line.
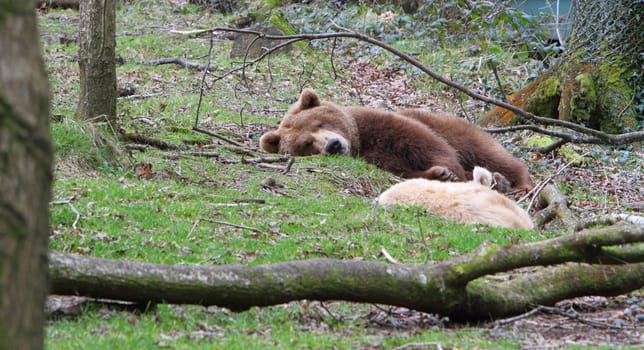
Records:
x=591, y=262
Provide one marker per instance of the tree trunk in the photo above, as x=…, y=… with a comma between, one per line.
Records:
x=457, y=288
x=25, y=178
x=595, y=82
x=96, y=60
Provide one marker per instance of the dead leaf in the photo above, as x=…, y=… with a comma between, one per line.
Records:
x=143, y=171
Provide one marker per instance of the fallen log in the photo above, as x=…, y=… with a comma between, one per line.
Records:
x=590, y=262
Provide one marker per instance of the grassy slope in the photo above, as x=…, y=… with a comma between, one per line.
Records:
x=324, y=208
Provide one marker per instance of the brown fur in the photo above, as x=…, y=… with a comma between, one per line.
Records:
x=475, y=147
x=463, y=202
x=412, y=143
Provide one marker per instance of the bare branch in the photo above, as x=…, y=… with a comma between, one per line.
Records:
x=218, y=136
x=177, y=60
x=592, y=136
x=71, y=206
x=203, y=81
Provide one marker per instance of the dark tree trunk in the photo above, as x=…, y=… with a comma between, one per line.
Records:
x=96, y=60
x=25, y=178
x=595, y=81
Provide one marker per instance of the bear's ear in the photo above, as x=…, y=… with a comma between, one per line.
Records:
x=270, y=142
x=482, y=176
x=308, y=99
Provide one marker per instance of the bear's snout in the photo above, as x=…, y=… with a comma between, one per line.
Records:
x=334, y=146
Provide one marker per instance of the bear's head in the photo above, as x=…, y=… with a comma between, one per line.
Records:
x=310, y=127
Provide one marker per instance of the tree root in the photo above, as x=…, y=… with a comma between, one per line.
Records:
x=555, y=206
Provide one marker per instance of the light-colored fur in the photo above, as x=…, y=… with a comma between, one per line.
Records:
x=463, y=202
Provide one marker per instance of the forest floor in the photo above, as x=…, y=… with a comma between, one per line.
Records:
x=604, y=184
x=601, y=181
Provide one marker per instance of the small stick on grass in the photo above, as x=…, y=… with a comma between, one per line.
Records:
x=71, y=206
x=217, y=136
x=198, y=220
x=387, y=256
x=291, y=160
x=334, y=316
x=176, y=60
x=426, y=345
x=140, y=96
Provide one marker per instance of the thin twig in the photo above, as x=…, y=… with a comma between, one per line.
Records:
x=538, y=188
x=217, y=136
x=575, y=316
x=71, y=206
x=387, y=256
x=257, y=160
x=553, y=146
x=534, y=193
x=335, y=72
x=498, y=80
x=291, y=160
x=335, y=318
x=203, y=79
x=179, y=61
x=235, y=225
x=140, y=97
x=198, y=220
x=508, y=320
x=141, y=139
x=229, y=204
x=423, y=345
x=201, y=154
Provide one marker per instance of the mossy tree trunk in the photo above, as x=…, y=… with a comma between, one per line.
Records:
x=96, y=60
x=596, y=80
x=458, y=288
x=25, y=178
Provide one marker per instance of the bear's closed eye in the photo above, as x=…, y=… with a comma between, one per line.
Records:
x=273, y=141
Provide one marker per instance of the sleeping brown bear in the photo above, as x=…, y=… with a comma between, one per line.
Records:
x=411, y=143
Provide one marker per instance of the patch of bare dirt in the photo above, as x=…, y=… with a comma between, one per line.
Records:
x=378, y=87
x=586, y=321
x=580, y=321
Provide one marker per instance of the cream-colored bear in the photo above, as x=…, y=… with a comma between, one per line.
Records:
x=470, y=202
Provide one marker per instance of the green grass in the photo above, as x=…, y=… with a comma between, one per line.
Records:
x=123, y=217
x=201, y=328
x=187, y=211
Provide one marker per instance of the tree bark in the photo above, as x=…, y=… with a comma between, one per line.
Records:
x=457, y=288
x=96, y=60
x=25, y=178
x=555, y=205
x=595, y=81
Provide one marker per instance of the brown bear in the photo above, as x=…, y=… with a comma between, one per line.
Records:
x=463, y=202
x=411, y=143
